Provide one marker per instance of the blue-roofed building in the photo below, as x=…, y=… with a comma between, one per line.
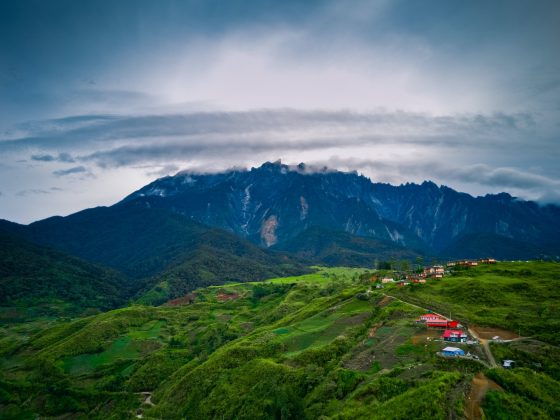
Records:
x=452, y=351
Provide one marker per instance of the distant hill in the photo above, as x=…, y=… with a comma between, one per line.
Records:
x=275, y=203
x=145, y=242
x=32, y=276
x=323, y=246
x=483, y=245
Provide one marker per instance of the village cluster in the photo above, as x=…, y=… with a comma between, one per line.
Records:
x=404, y=278
x=452, y=332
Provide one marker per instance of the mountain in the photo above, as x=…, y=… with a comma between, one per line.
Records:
x=336, y=248
x=481, y=245
x=42, y=280
x=275, y=203
x=155, y=244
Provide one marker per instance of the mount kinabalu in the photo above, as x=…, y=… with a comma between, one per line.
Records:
x=274, y=203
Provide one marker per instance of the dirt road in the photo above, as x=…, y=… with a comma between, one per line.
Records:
x=486, y=347
x=479, y=386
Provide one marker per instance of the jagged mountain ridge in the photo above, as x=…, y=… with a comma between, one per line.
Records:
x=274, y=203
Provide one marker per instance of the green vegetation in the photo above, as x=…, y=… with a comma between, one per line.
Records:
x=37, y=282
x=336, y=248
x=526, y=395
x=522, y=297
x=320, y=345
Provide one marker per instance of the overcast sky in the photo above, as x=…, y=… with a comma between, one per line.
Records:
x=98, y=98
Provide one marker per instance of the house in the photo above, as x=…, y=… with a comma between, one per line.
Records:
x=453, y=352
x=429, y=317
x=488, y=261
x=466, y=263
x=508, y=364
x=437, y=271
x=387, y=280
x=456, y=336
x=442, y=323
x=415, y=278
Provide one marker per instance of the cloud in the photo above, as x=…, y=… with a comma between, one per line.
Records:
x=74, y=170
x=163, y=170
x=266, y=126
x=62, y=157
x=541, y=188
x=34, y=191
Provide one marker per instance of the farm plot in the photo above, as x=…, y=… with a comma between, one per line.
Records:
x=323, y=327
x=131, y=346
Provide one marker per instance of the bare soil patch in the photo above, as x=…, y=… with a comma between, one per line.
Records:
x=488, y=333
x=223, y=297
x=479, y=386
x=426, y=335
x=385, y=301
x=183, y=300
x=362, y=359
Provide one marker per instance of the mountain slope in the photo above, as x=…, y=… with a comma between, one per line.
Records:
x=482, y=245
x=275, y=203
x=145, y=242
x=31, y=275
x=323, y=246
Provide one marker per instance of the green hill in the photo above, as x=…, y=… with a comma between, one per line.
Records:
x=145, y=243
x=481, y=245
x=40, y=280
x=336, y=248
x=323, y=345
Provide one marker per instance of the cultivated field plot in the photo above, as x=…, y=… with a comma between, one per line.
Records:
x=323, y=327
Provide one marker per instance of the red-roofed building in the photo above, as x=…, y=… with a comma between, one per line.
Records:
x=442, y=323
x=431, y=317
x=456, y=336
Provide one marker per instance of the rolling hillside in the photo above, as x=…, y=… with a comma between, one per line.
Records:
x=37, y=280
x=146, y=243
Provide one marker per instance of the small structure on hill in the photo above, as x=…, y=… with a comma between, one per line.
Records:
x=435, y=272
x=416, y=278
x=487, y=261
x=429, y=317
x=508, y=364
x=437, y=321
x=387, y=280
x=456, y=336
x=452, y=352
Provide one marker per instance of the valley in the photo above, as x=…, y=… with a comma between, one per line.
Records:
x=323, y=344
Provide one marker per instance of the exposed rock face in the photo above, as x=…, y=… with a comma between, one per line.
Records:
x=268, y=231
x=304, y=208
x=421, y=216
